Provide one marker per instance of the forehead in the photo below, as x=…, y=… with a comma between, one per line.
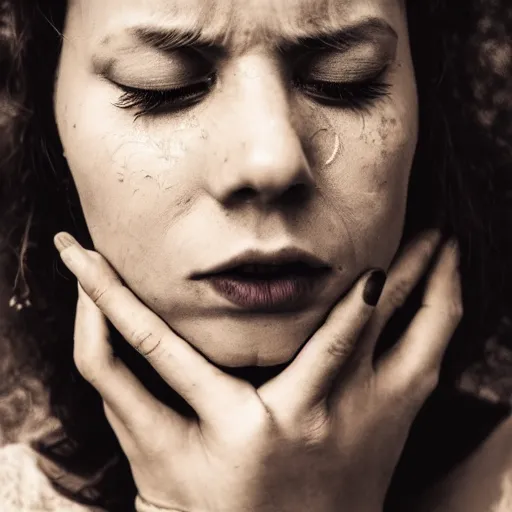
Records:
x=238, y=21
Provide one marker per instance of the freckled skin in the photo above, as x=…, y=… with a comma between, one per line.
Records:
x=157, y=192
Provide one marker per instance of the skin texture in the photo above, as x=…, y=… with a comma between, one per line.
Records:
x=161, y=193
x=325, y=434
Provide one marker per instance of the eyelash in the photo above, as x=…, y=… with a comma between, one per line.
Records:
x=357, y=96
x=150, y=101
x=353, y=95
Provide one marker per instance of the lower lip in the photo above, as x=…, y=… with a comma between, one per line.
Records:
x=269, y=295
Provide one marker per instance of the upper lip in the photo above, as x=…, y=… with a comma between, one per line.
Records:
x=255, y=257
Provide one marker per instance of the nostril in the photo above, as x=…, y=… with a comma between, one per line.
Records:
x=293, y=195
x=245, y=194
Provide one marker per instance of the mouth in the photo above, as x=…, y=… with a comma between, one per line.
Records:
x=279, y=288
x=283, y=281
x=269, y=272
x=254, y=261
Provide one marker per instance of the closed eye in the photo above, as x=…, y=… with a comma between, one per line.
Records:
x=356, y=95
x=148, y=101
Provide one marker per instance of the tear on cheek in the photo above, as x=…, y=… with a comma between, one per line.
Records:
x=335, y=150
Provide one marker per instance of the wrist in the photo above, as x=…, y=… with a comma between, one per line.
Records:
x=142, y=505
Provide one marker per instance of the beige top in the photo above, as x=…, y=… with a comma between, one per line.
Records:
x=24, y=487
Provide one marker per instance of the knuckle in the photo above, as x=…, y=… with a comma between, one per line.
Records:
x=98, y=293
x=92, y=364
x=452, y=310
x=399, y=293
x=95, y=256
x=456, y=310
x=83, y=367
x=82, y=363
x=317, y=429
x=103, y=279
x=340, y=349
x=146, y=343
x=109, y=413
x=430, y=380
x=89, y=367
x=424, y=382
x=102, y=267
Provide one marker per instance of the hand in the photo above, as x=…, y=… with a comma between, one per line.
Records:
x=323, y=435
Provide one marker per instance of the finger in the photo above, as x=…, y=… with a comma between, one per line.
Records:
x=311, y=375
x=403, y=277
x=414, y=363
x=178, y=363
x=136, y=410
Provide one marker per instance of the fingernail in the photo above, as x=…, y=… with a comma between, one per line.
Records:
x=63, y=241
x=373, y=287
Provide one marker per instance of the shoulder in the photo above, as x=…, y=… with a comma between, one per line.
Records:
x=481, y=483
x=23, y=486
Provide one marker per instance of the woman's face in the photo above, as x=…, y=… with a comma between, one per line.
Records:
x=280, y=133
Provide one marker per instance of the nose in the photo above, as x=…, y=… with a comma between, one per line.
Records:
x=267, y=161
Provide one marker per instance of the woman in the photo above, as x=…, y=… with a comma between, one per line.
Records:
x=188, y=138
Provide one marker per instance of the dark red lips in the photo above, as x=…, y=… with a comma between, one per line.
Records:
x=272, y=288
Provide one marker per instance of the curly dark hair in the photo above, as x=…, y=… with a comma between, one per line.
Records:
x=461, y=180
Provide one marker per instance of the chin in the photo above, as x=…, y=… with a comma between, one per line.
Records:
x=267, y=340
x=242, y=359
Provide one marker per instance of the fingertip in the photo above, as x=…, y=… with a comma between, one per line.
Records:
x=63, y=241
x=434, y=235
x=426, y=241
x=449, y=257
x=455, y=251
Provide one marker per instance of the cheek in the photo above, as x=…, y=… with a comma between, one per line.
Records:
x=387, y=149
x=132, y=185
x=369, y=180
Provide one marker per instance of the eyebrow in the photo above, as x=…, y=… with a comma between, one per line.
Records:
x=367, y=30
x=171, y=39
x=168, y=40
